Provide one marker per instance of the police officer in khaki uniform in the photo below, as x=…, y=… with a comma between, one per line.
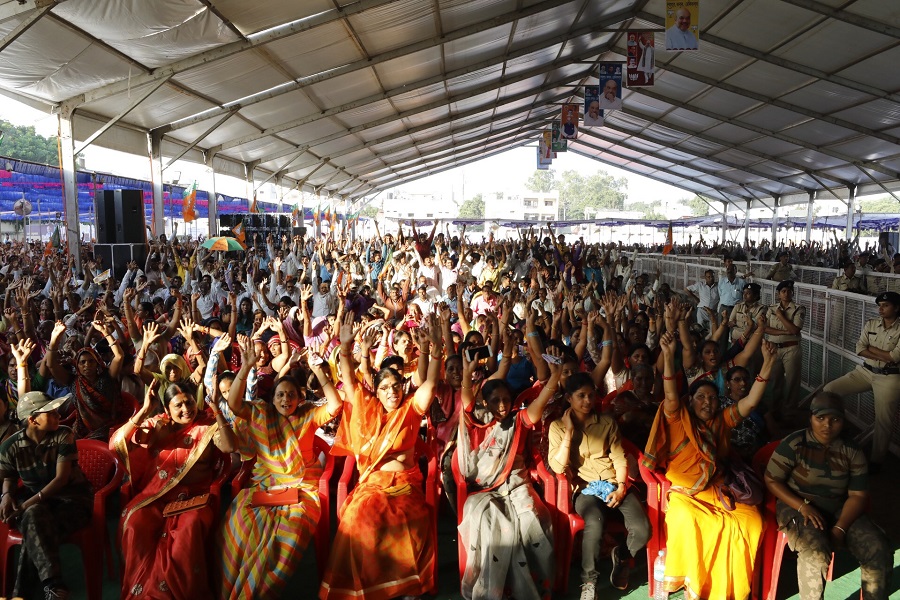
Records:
x=784, y=324
x=782, y=270
x=849, y=281
x=745, y=314
x=879, y=345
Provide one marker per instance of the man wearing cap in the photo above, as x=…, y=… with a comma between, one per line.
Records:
x=745, y=315
x=55, y=499
x=706, y=294
x=782, y=270
x=784, y=323
x=879, y=346
x=849, y=281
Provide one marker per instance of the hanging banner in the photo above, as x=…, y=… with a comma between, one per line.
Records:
x=557, y=142
x=640, y=58
x=593, y=116
x=682, y=29
x=610, y=75
x=569, y=121
x=539, y=154
x=544, y=152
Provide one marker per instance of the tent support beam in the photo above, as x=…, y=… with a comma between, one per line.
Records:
x=776, y=200
x=200, y=138
x=70, y=186
x=213, y=203
x=159, y=222
x=724, y=221
x=27, y=23
x=131, y=106
x=851, y=201
x=747, y=225
x=809, y=216
x=847, y=17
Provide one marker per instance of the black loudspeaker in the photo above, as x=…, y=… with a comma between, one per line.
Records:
x=226, y=221
x=284, y=221
x=105, y=217
x=117, y=257
x=120, y=217
x=299, y=231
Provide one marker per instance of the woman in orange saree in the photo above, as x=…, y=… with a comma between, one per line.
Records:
x=169, y=457
x=384, y=547
x=711, y=548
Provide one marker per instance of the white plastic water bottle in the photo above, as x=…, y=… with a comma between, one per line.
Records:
x=659, y=576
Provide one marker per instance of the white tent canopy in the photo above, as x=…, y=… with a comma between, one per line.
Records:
x=785, y=100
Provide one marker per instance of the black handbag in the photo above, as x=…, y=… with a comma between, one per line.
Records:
x=740, y=485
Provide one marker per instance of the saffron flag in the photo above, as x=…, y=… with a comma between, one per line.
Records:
x=253, y=207
x=189, y=203
x=668, y=247
x=327, y=216
x=317, y=216
x=295, y=215
x=239, y=233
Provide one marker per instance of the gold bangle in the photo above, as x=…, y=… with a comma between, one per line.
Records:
x=136, y=425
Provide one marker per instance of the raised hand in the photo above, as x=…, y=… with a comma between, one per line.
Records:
x=667, y=343
x=151, y=333
x=222, y=344
x=347, y=330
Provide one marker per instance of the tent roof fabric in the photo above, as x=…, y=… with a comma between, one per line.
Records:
x=784, y=97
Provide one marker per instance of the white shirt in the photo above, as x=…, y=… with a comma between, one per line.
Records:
x=677, y=39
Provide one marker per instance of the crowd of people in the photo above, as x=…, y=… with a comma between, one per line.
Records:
x=488, y=356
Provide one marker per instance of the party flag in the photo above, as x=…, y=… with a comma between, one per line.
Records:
x=668, y=247
x=239, y=233
x=189, y=202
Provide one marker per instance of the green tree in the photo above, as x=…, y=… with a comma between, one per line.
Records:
x=369, y=212
x=885, y=204
x=599, y=191
x=650, y=209
x=473, y=208
x=25, y=144
x=542, y=181
x=698, y=205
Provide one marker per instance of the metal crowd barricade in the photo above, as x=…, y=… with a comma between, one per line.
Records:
x=834, y=322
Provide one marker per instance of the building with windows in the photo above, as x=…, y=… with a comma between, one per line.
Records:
x=522, y=205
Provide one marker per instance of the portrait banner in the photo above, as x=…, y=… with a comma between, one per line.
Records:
x=610, y=76
x=569, y=121
x=593, y=116
x=682, y=24
x=640, y=65
x=557, y=142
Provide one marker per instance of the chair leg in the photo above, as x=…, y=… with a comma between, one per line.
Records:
x=93, y=573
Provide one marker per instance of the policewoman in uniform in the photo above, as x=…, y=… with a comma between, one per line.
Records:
x=879, y=346
x=784, y=322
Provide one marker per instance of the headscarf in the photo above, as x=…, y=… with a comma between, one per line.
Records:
x=289, y=328
x=97, y=405
x=178, y=362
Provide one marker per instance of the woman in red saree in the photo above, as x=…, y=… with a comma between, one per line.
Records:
x=384, y=547
x=169, y=457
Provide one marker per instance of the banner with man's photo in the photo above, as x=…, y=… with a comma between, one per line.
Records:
x=593, y=116
x=610, y=76
x=557, y=142
x=640, y=65
x=569, y=121
x=682, y=24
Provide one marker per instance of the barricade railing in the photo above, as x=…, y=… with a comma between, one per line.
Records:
x=833, y=325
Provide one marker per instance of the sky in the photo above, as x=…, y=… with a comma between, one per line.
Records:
x=516, y=165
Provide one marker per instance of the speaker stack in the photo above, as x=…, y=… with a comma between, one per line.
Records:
x=261, y=224
x=121, y=229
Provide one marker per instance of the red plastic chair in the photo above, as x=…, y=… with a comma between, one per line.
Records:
x=765, y=584
x=571, y=523
x=537, y=472
x=104, y=471
x=657, y=504
x=323, y=528
x=349, y=477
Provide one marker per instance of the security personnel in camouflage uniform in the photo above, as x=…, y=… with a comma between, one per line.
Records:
x=55, y=499
x=821, y=483
x=879, y=345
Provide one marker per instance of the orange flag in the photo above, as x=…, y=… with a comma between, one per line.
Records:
x=668, y=247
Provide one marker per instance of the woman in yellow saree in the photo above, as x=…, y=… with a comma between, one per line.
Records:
x=711, y=550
